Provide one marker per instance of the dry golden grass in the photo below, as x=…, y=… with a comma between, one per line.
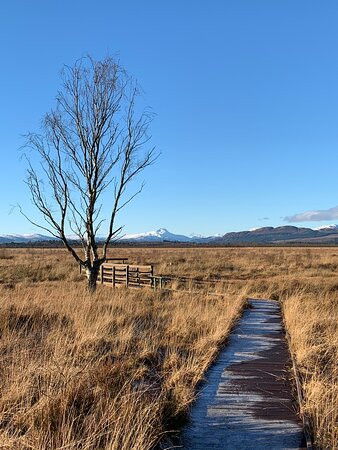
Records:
x=312, y=323
x=113, y=371
x=118, y=370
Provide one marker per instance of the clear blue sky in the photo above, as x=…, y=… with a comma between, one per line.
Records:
x=245, y=92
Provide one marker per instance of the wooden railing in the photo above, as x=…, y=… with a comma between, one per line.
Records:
x=127, y=275
x=112, y=261
x=135, y=276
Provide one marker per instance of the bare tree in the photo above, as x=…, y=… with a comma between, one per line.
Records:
x=92, y=143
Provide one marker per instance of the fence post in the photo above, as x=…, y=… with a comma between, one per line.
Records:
x=113, y=277
x=101, y=273
x=127, y=275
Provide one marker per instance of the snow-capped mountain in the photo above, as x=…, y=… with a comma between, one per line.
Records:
x=332, y=227
x=195, y=237
x=163, y=235
x=24, y=238
x=160, y=235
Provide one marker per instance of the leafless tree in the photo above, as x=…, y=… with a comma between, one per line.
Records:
x=92, y=143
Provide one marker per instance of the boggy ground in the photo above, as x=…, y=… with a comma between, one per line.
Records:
x=118, y=370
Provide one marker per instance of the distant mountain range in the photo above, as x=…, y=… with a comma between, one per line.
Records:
x=24, y=238
x=327, y=234
x=160, y=235
x=264, y=235
x=286, y=234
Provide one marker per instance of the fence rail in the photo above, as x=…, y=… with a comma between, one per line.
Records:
x=126, y=274
x=129, y=275
x=135, y=276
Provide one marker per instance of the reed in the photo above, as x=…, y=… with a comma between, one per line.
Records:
x=119, y=369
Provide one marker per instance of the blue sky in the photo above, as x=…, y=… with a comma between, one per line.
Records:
x=245, y=95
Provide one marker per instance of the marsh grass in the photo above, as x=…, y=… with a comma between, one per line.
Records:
x=120, y=369
x=117, y=370
x=312, y=323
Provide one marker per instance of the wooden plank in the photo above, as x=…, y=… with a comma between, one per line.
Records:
x=124, y=274
x=120, y=266
x=140, y=280
x=140, y=274
x=247, y=400
x=138, y=285
x=145, y=268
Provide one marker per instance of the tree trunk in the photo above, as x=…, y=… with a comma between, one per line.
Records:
x=92, y=274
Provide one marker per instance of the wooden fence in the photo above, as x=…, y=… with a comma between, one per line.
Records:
x=127, y=275
x=135, y=276
x=118, y=273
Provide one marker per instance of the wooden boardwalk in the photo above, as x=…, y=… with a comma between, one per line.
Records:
x=246, y=402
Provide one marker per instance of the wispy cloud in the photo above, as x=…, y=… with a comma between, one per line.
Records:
x=264, y=218
x=314, y=216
